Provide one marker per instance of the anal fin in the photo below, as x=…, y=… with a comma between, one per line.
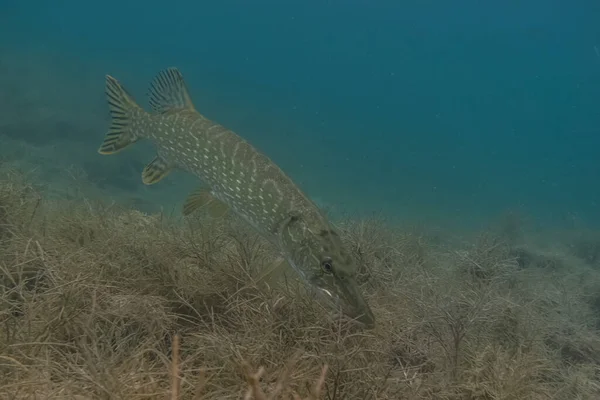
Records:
x=115, y=141
x=203, y=198
x=155, y=171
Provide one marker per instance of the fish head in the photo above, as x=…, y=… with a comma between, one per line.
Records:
x=321, y=258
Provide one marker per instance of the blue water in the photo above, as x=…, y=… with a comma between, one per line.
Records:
x=427, y=110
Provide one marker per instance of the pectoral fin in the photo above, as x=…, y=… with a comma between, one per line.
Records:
x=275, y=270
x=203, y=198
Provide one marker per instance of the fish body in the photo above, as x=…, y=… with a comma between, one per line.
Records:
x=235, y=176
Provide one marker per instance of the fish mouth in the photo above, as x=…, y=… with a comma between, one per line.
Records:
x=350, y=301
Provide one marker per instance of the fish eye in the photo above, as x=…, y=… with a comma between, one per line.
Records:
x=327, y=265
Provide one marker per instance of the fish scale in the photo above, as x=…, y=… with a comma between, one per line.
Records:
x=236, y=177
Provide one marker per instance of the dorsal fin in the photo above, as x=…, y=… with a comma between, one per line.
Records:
x=168, y=92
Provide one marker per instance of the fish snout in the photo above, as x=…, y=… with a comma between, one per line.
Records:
x=358, y=308
x=348, y=299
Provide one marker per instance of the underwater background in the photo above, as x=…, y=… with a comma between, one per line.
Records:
x=443, y=113
x=455, y=143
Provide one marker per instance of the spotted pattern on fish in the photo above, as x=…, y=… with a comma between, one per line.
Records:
x=238, y=176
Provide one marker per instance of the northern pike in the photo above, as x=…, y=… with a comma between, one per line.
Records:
x=238, y=177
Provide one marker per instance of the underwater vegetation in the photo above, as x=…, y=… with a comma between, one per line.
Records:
x=100, y=301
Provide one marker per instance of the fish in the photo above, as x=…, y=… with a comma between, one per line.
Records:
x=235, y=177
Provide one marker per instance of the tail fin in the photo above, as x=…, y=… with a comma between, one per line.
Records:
x=121, y=105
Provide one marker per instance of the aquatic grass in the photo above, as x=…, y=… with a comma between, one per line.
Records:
x=101, y=301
